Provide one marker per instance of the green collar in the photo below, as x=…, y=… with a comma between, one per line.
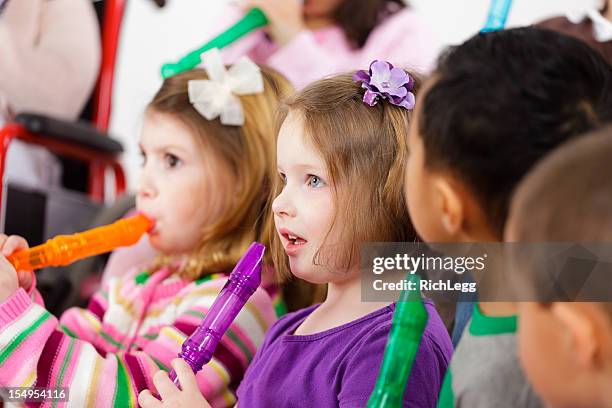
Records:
x=482, y=325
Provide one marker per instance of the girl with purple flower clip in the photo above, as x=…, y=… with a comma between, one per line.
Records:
x=340, y=161
x=384, y=81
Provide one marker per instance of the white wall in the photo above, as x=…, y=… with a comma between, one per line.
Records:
x=152, y=36
x=457, y=20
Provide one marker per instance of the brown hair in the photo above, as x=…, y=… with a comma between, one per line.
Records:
x=357, y=18
x=245, y=152
x=566, y=198
x=364, y=150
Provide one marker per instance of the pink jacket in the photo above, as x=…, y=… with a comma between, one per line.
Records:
x=403, y=39
x=106, y=354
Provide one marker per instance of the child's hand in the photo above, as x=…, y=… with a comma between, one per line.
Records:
x=11, y=280
x=10, y=245
x=284, y=16
x=171, y=396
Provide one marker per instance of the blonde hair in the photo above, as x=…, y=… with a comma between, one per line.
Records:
x=364, y=149
x=245, y=151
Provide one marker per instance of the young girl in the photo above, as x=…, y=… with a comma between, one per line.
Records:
x=338, y=35
x=340, y=165
x=476, y=133
x=309, y=40
x=206, y=165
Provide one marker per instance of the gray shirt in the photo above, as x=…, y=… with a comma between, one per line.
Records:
x=485, y=371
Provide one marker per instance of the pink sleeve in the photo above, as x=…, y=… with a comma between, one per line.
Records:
x=405, y=40
x=38, y=351
x=88, y=352
x=34, y=293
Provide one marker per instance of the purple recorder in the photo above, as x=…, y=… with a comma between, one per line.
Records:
x=244, y=280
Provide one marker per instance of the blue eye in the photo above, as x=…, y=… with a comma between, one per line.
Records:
x=315, y=181
x=171, y=160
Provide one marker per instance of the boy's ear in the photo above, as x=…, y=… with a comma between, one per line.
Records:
x=580, y=325
x=450, y=205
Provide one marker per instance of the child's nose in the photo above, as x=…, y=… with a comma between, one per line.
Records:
x=145, y=187
x=282, y=206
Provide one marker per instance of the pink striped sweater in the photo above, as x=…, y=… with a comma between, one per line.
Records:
x=106, y=354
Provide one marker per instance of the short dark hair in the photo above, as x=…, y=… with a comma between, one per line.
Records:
x=567, y=197
x=502, y=100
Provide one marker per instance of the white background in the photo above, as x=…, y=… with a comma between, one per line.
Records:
x=152, y=36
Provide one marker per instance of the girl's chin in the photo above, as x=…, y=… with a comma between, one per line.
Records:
x=156, y=245
x=167, y=246
x=306, y=274
x=159, y=244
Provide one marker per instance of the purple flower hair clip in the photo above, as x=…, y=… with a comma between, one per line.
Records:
x=386, y=82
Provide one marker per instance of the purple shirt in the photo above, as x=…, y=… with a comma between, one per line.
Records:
x=339, y=366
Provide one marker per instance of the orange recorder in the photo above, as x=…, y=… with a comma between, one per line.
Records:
x=65, y=249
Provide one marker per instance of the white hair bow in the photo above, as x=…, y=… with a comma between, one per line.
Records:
x=217, y=96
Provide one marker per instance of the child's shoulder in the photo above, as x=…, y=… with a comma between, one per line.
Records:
x=375, y=323
x=378, y=322
x=435, y=349
x=436, y=334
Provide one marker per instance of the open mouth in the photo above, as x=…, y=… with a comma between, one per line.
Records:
x=294, y=241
